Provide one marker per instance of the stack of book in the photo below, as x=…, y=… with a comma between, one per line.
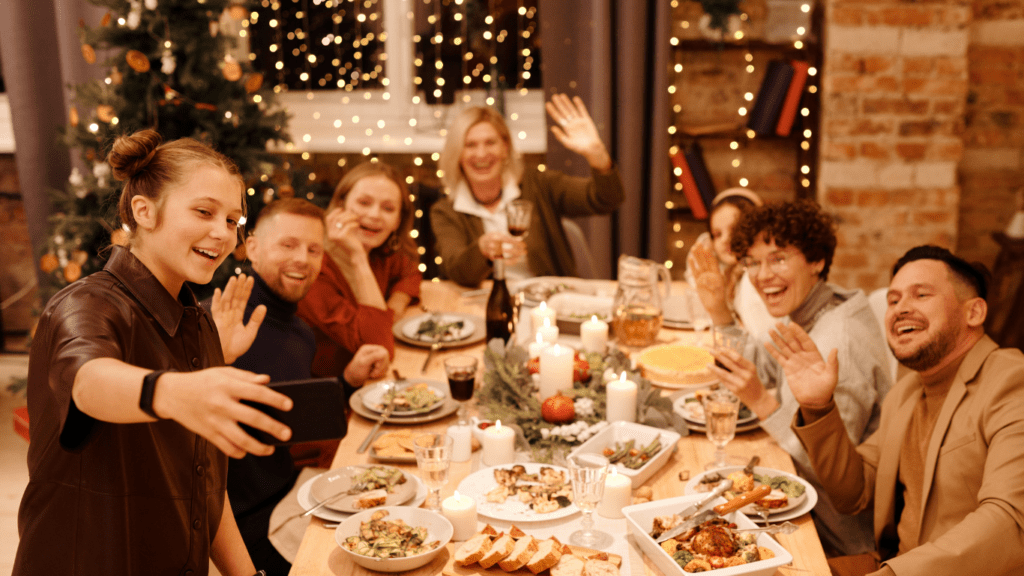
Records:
x=778, y=100
x=695, y=178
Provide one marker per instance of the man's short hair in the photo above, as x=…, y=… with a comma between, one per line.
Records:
x=973, y=275
x=296, y=206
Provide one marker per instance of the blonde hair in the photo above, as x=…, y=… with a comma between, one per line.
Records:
x=453, y=145
x=148, y=167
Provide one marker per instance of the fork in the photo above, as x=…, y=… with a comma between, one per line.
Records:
x=433, y=347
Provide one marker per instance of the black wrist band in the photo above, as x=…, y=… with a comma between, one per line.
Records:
x=260, y=573
x=148, y=388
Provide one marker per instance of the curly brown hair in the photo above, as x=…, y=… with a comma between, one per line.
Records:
x=800, y=223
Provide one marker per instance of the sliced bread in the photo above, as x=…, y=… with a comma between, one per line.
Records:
x=473, y=550
x=547, y=555
x=500, y=548
x=568, y=565
x=595, y=567
x=524, y=549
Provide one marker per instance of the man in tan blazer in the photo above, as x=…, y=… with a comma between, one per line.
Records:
x=944, y=472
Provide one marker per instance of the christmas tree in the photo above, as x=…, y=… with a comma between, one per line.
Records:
x=169, y=66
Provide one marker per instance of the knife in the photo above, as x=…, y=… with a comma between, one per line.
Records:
x=720, y=510
x=433, y=348
x=384, y=416
x=696, y=506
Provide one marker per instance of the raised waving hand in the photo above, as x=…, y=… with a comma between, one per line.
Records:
x=811, y=378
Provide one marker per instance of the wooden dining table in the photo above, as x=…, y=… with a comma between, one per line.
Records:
x=320, y=555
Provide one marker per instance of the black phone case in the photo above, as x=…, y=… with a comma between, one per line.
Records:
x=318, y=411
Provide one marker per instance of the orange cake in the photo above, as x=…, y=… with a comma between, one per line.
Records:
x=676, y=364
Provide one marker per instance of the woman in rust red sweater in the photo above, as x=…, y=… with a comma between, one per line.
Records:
x=371, y=274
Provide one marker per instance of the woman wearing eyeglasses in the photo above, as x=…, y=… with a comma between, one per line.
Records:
x=787, y=249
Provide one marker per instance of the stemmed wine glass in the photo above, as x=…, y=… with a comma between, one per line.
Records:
x=461, y=372
x=518, y=213
x=433, y=458
x=721, y=408
x=587, y=475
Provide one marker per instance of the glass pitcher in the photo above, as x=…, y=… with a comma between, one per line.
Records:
x=643, y=284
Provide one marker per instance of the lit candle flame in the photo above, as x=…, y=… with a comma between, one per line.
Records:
x=547, y=322
x=622, y=377
x=497, y=426
x=543, y=305
x=540, y=339
x=594, y=318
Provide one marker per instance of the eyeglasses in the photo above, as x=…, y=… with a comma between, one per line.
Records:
x=777, y=263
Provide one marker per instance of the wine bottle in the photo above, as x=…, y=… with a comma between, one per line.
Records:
x=500, y=313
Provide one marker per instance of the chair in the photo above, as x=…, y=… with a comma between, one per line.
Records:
x=585, y=267
x=878, y=303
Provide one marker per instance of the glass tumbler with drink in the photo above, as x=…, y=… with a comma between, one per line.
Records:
x=732, y=337
x=721, y=408
x=587, y=473
x=518, y=213
x=433, y=459
x=461, y=372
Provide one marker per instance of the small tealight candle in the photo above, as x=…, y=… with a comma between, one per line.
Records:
x=594, y=335
x=621, y=399
x=499, y=445
x=555, y=370
x=537, y=346
x=460, y=510
x=538, y=314
x=548, y=332
x=618, y=493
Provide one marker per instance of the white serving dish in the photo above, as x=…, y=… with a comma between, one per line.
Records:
x=575, y=309
x=438, y=528
x=640, y=519
x=644, y=435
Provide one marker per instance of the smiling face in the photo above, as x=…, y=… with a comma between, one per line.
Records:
x=483, y=159
x=722, y=221
x=925, y=320
x=287, y=252
x=378, y=203
x=786, y=287
x=191, y=230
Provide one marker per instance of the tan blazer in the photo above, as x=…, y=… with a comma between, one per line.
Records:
x=973, y=517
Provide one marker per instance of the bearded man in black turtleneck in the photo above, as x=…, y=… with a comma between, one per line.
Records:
x=286, y=249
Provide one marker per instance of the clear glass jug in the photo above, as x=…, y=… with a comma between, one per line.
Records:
x=637, y=313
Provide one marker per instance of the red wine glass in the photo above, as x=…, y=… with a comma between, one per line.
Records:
x=461, y=371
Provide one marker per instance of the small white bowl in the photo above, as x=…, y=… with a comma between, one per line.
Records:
x=478, y=432
x=438, y=528
x=640, y=519
x=623, y=432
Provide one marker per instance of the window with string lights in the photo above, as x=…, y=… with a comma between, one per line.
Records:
x=744, y=96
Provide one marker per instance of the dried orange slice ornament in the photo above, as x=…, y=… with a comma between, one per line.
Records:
x=137, y=60
x=89, y=54
x=73, y=116
x=105, y=112
x=254, y=82
x=72, y=272
x=232, y=71
x=48, y=263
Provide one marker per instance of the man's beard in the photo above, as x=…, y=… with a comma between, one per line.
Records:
x=929, y=355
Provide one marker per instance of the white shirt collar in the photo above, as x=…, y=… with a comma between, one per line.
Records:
x=466, y=203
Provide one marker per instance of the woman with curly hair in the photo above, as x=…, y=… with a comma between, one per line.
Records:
x=787, y=250
x=370, y=276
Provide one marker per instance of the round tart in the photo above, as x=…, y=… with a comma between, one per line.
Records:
x=677, y=364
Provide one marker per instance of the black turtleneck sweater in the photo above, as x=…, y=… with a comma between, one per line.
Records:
x=283, y=349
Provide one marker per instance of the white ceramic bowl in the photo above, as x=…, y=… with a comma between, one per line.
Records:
x=478, y=432
x=640, y=519
x=438, y=528
x=644, y=435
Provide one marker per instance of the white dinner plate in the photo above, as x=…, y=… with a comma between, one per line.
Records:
x=411, y=328
x=479, y=483
x=373, y=399
x=307, y=501
x=798, y=507
x=473, y=331
x=339, y=480
x=692, y=410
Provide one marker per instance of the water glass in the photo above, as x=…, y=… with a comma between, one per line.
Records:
x=433, y=458
x=721, y=408
x=731, y=337
x=587, y=474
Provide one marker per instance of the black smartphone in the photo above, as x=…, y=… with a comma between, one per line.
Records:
x=318, y=411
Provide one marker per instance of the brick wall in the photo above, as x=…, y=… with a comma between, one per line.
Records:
x=894, y=94
x=992, y=168
x=17, y=265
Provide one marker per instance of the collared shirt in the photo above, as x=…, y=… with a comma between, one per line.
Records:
x=496, y=221
x=107, y=498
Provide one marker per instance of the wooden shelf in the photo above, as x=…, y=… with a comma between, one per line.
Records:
x=810, y=43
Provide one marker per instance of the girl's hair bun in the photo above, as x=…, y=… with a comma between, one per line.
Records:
x=133, y=152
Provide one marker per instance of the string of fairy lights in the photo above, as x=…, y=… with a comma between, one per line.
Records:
x=742, y=140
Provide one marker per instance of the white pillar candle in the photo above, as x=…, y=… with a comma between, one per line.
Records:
x=548, y=332
x=555, y=370
x=538, y=314
x=462, y=442
x=618, y=493
x=594, y=335
x=621, y=399
x=460, y=510
x=499, y=445
x=537, y=346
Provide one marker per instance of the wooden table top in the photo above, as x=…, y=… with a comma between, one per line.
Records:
x=319, y=555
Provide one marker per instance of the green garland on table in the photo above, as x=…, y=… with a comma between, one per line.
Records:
x=510, y=395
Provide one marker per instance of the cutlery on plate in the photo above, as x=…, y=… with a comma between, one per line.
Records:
x=781, y=528
x=353, y=490
x=387, y=387
x=749, y=468
x=700, y=504
x=720, y=510
x=433, y=348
